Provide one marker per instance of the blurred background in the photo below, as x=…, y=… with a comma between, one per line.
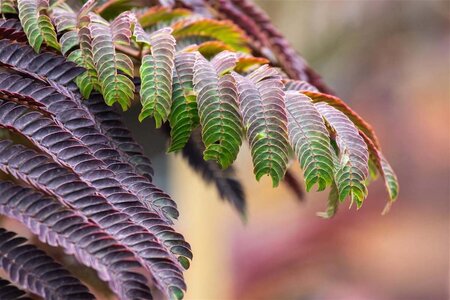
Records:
x=390, y=60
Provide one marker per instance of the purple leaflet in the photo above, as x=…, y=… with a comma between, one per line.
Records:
x=8, y=291
x=35, y=271
x=58, y=225
x=40, y=172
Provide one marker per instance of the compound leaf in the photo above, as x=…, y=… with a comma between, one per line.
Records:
x=310, y=140
x=156, y=77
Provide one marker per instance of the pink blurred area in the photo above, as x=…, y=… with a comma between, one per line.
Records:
x=390, y=60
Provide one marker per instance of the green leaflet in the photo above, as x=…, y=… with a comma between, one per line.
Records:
x=8, y=7
x=111, y=9
x=160, y=14
x=343, y=107
x=64, y=17
x=84, y=57
x=353, y=155
x=382, y=165
x=333, y=203
x=48, y=32
x=28, y=15
x=78, y=33
x=224, y=31
x=310, y=140
x=69, y=41
x=156, y=77
x=183, y=116
x=391, y=182
x=218, y=109
x=114, y=86
x=36, y=24
x=261, y=100
x=140, y=36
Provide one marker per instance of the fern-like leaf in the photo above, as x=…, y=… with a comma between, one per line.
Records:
x=156, y=77
x=343, y=107
x=35, y=271
x=110, y=124
x=78, y=193
x=224, y=31
x=391, y=182
x=218, y=109
x=211, y=48
x=298, y=85
x=160, y=14
x=333, y=203
x=58, y=225
x=28, y=14
x=353, y=155
x=247, y=63
x=64, y=17
x=261, y=100
x=310, y=140
x=115, y=87
x=183, y=113
x=36, y=24
x=84, y=57
x=383, y=166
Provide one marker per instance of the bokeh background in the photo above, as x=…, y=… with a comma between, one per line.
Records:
x=390, y=60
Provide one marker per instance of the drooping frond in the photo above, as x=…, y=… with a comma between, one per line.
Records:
x=58, y=225
x=115, y=86
x=152, y=197
x=37, y=24
x=83, y=56
x=333, y=203
x=183, y=113
x=353, y=155
x=210, y=48
x=218, y=109
x=64, y=17
x=385, y=169
x=47, y=65
x=160, y=14
x=156, y=77
x=82, y=194
x=391, y=182
x=247, y=63
x=224, y=31
x=352, y=115
x=310, y=140
x=261, y=102
x=35, y=271
x=109, y=9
